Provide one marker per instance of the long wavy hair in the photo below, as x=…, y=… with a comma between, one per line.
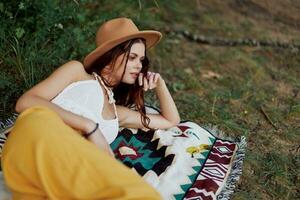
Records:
x=129, y=95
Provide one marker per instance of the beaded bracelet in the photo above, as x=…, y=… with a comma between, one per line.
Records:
x=90, y=133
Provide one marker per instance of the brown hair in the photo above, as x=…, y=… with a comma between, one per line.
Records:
x=129, y=95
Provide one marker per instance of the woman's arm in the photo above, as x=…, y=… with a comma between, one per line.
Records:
x=82, y=124
x=167, y=105
x=43, y=92
x=46, y=90
x=169, y=115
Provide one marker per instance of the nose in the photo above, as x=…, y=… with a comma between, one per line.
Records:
x=139, y=65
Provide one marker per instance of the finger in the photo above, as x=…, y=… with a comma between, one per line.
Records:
x=157, y=75
x=154, y=75
x=146, y=85
x=140, y=79
x=151, y=79
x=148, y=75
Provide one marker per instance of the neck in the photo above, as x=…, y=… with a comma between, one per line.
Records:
x=110, y=81
x=107, y=75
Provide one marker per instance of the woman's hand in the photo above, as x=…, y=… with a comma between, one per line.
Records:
x=151, y=81
x=98, y=139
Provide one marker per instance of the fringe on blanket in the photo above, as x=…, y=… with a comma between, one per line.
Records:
x=6, y=125
x=236, y=170
x=237, y=164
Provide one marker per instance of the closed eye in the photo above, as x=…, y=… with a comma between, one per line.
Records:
x=132, y=58
x=134, y=55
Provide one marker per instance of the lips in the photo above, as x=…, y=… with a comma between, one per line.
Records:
x=134, y=75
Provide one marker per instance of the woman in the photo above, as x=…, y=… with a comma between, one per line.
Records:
x=74, y=107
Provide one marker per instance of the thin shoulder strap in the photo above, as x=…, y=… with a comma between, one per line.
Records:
x=108, y=91
x=115, y=107
x=95, y=75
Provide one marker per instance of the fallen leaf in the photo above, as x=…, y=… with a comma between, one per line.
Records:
x=210, y=74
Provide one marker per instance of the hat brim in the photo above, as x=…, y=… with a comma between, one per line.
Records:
x=151, y=37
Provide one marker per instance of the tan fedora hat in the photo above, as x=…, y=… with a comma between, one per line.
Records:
x=116, y=31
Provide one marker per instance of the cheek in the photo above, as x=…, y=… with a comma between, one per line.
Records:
x=129, y=67
x=130, y=64
x=126, y=73
x=121, y=70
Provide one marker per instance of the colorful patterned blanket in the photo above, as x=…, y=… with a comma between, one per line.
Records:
x=184, y=162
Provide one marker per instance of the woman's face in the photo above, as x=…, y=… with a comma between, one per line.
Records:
x=134, y=64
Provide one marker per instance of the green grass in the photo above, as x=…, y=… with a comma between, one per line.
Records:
x=35, y=38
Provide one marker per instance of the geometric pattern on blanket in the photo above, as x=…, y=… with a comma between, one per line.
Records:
x=183, y=162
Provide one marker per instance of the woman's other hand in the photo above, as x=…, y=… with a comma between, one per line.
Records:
x=151, y=81
x=98, y=139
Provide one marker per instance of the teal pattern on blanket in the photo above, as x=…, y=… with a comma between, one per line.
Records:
x=136, y=152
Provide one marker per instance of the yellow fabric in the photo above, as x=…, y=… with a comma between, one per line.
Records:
x=43, y=158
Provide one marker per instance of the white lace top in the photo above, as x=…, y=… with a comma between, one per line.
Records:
x=86, y=98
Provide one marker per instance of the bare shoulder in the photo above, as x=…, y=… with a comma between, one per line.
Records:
x=56, y=82
x=81, y=72
x=74, y=69
x=60, y=78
